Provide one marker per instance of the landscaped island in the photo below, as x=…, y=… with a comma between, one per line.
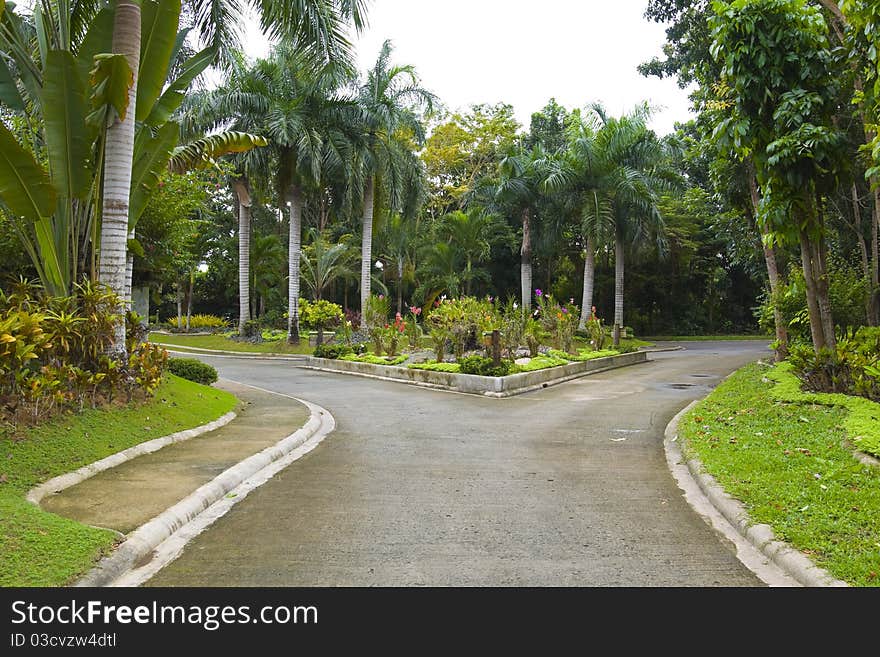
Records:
x=503, y=348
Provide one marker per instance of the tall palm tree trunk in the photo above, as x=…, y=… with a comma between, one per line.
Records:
x=293, y=269
x=525, y=266
x=118, y=150
x=366, y=248
x=244, y=253
x=589, y=278
x=618, y=288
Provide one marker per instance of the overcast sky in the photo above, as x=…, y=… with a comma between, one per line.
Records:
x=524, y=53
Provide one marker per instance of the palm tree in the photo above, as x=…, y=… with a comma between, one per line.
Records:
x=632, y=161
x=521, y=176
x=469, y=233
x=580, y=172
x=318, y=26
x=613, y=167
x=388, y=98
x=324, y=263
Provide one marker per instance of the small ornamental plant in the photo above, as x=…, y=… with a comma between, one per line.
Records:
x=320, y=315
x=413, y=330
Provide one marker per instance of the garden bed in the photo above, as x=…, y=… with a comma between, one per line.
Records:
x=490, y=386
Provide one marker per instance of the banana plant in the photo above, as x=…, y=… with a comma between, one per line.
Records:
x=65, y=81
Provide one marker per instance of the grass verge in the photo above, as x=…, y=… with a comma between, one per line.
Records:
x=707, y=338
x=222, y=343
x=788, y=462
x=42, y=549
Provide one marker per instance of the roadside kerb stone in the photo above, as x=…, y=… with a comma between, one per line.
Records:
x=489, y=386
x=195, y=351
x=61, y=482
x=140, y=543
x=792, y=561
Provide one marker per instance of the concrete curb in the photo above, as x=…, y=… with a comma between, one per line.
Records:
x=654, y=350
x=489, y=386
x=197, y=351
x=793, y=562
x=59, y=483
x=140, y=543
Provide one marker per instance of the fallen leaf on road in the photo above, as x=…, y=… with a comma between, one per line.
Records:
x=617, y=440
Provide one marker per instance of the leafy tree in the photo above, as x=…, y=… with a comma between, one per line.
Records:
x=461, y=150
x=778, y=105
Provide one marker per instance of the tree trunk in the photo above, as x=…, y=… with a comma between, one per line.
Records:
x=293, y=270
x=179, y=304
x=821, y=258
x=772, y=276
x=874, y=318
x=863, y=248
x=118, y=150
x=129, y=271
x=399, y=284
x=526, y=263
x=366, y=249
x=618, y=288
x=816, y=331
x=589, y=278
x=189, y=299
x=244, y=252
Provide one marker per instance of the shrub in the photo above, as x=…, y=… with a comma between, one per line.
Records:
x=53, y=352
x=483, y=366
x=851, y=368
x=332, y=350
x=198, y=322
x=193, y=370
x=320, y=315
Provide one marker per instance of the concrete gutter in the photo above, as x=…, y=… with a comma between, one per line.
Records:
x=57, y=484
x=489, y=386
x=791, y=561
x=140, y=544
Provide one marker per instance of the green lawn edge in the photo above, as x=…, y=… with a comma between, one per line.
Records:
x=788, y=457
x=42, y=549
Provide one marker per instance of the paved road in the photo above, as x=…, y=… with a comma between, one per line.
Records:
x=565, y=486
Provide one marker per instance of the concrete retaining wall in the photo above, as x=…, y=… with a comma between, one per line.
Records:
x=490, y=386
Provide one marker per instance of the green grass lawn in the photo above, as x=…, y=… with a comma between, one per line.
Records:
x=41, y=549
x=790, y=464
x=706, y=338
x=221, y=343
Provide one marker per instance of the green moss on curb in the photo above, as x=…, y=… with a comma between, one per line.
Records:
x=41, y=549
x=583, y=354
x=862, y=423
x=374, y=360
x=434, y=366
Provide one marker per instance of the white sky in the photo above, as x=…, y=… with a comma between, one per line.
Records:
x=523, y=53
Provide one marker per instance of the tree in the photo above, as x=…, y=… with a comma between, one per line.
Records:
x=317, y=24
x=777, y=104
x=461, y=150
x=388, y=97
x=521, y=175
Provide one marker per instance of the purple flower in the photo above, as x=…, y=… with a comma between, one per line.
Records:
x=565, y=310
x=538, y=292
